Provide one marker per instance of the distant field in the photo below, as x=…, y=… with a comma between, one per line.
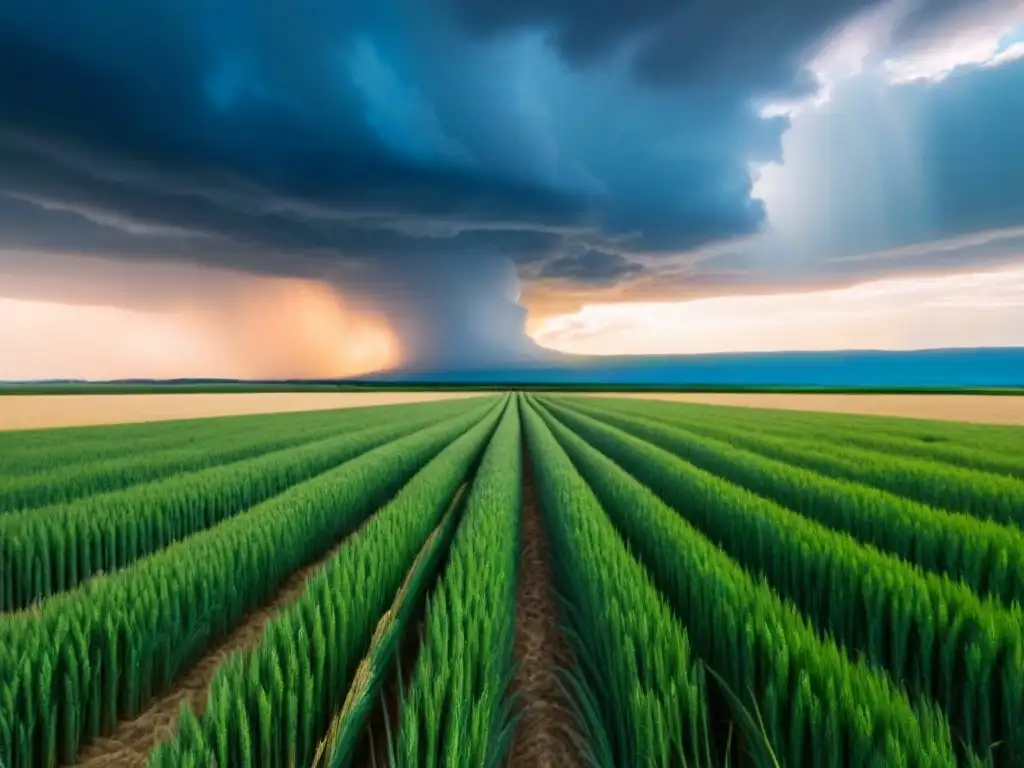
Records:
x=513, y=580
x=980, y=409
x=40, y=411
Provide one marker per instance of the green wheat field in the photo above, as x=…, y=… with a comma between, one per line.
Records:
x=729, y=587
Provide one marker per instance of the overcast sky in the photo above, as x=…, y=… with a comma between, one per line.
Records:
x=261, y=188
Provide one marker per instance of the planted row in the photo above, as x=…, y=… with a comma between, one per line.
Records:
x=983, y=437
x=488, y=664
x=988, y=458
x=988, y=557
x=455, y=710
x=818, y=707
x=639, y=690
x=47, y=551
x=934, y=636
x=270, y=706
x=24, y=447
x=348, y=733
x=39, y=450
x=26, y=452
x=89, y=656
x=982, y=494
x=63, y=484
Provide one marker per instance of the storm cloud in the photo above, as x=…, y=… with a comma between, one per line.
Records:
x=414, y=153
x=592, y=268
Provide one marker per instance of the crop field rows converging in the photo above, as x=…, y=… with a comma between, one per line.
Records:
x=544, y=580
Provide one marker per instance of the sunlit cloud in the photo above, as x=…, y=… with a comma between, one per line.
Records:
x=850, y=51
x=974, y=47
x=981, y=35
x=258, y=327
x=972, y=310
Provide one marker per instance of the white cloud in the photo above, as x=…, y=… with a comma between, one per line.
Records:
x=1011, y=53
x=985, y=33
x=979, y=47
x=855, y=48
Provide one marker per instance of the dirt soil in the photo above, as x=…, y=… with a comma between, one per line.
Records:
x=38, y=411
x=133, y=740
x=544, y=736
x=980, y=409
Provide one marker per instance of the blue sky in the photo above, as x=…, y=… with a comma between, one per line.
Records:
x=456, y=172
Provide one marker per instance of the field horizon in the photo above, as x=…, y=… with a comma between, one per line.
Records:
x=66, y=408
x=933, y=369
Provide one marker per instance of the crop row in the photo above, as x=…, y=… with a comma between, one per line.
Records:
x=988, y=457
x=270, y=706
x=982, y=494
x=50, y=550
x=455, y=711
x=94, y=654
x=988, y=557
x=983, y=437
x=817, y=706
x=27, y=452
x=637, y=680
x=28, y=446
x=933, y=635
x=62, y=484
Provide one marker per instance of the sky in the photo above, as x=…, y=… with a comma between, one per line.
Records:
x=268, y=189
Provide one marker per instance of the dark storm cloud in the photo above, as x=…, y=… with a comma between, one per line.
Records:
x=339, y=118
x=592, y=268
x=749, y=46
x=745, y=47
x=433, y=142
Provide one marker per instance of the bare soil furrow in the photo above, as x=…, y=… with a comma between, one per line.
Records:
x=133, y=740
x=544, y=736
x=384, y=714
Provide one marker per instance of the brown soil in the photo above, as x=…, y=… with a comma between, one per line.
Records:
x=133, y=740
x=39, y=411
x=980, y=409
x=544, y=736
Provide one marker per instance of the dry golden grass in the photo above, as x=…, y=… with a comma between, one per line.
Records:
x=980, y=409
x=36, y=411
